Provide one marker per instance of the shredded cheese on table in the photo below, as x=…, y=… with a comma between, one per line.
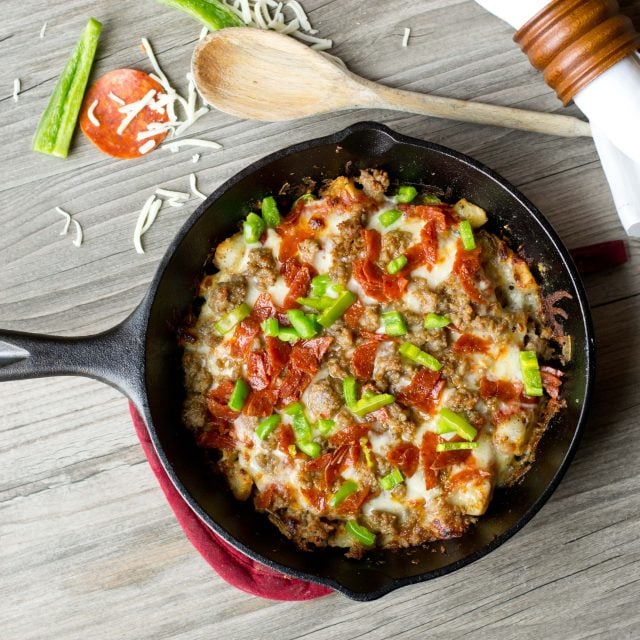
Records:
x=91, y=115
x=147, y=146
x=191, y=142
x=42, y=30
x=140, y=223
x=16, y=89
x=195, y=157
x=67, y=215
x=194, y=187
x=203, y=33
x=405, y=39
x=79, y=235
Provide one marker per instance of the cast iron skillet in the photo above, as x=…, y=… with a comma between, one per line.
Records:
x=140, y=356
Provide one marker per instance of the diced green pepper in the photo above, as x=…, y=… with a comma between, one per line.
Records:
x=431, y=199
x=213, y=14
x=394, y=324
x=372, y=403
x=268, y=426
x=406, y=194
x=270, y=213
x=301, y=428
x=58, y=122
x=350, y=391
x=413, y=353
x=312, y=449
x=531, y=375
x=387, y=218
x=294, y=408
x=366, y=450
x=288, y=334
x=466, y=235
x=304, y=324
x=360, y=533
x=305, y=197
x=434, y=321
x=337, y=309
x=397, y=264
x=450, y=421
x=391, y=480
x=253, y=227
x=349, y=487
x=270, y=327
x=325, y=427
x=319, y=285
x=231, y=319
x=455, y=446
x=238, y=395
x=320, y=304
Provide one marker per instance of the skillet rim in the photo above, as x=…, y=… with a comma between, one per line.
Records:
x=589, y=347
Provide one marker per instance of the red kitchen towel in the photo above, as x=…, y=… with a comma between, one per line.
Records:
x=231, y=565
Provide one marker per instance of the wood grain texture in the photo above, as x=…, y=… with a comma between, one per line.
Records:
x=88, y=546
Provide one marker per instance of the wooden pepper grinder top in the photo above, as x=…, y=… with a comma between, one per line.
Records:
x=573, y=41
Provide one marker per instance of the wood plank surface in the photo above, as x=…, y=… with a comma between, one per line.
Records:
x=88, y=546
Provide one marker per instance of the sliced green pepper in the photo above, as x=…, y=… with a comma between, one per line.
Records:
x=349, y=391
x=253, y=227
x=58, y=122
x=320, y=304
x=304, y=324
x=238, y=395
x=294, y=408
x=288, y=334
x=387, y=218
x=231, y=319
x=270, y=213
x=466, y=235
x=319, y=285
x=450, y=421
x=455, y=446
x=411, y=352
x=348, y=488
x=406, y=194
x=431, y=199
x=531, y=375
x=360, y=533
x=213, y=14
x=394, y=324
x=325, y=427
x=301, y=428
x=397, y=264
x=312, y=449
x=372, y=403
x=337, y=309
x=391, y=480
x=268, y=426
x=434, y=321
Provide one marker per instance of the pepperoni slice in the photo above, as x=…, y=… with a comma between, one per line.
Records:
x=363, y=360
x=129, y=85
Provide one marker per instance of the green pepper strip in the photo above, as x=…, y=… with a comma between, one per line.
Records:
x=304, y=324
x=294, y=408
x=231, y=319
x=373, y=403
x=58, y=122
x=337, y=309
x=349, y=391
x=434, y=321
x=466, y=235
x=391, y=480
x=322, y=303
x=325, y=426
x=531, y=373
x=366, y=450
x=267, y=426
x=406, y=194
x=455, y=446
x=270, y=327
x=270, y=213
x=238, y=395
x=360, y=533
x=397, y=264
x=253, y=228
x=450, y=421
x=431, y=199
x=348, y=488
x=411, y=352
x=301, y=428
x=387, y=218
x=394, y=324
x=213, y=14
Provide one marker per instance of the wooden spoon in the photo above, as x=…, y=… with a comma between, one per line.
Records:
x=264, y=75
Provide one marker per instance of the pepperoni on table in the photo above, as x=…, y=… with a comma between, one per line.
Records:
x=130, y=85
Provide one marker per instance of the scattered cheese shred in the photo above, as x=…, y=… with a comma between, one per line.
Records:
x=42, y=30
x=173, y=195
x=67, y=215
x=140, y=223
x=91, y=115
x=195, y=157
x=151, y=216
x=147, y=146
x=405, y=38
x=194, y=187
x=203, y=33
x=16, y=89
x=191, y=142
x=116, y=98
x=77, y=241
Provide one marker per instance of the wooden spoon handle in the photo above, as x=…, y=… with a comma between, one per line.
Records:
x=383, y=97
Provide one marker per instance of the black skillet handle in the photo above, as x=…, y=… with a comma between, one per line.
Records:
x=115, y=356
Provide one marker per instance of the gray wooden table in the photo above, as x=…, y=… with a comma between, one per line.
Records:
x=88, y=546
